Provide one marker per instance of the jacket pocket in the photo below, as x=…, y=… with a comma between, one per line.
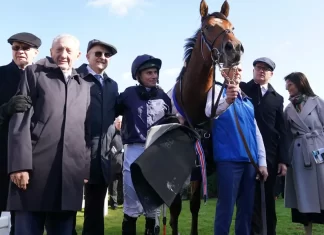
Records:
x=36, y=132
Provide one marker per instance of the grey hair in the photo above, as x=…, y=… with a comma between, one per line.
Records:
x=57, y=38
x=119, y=118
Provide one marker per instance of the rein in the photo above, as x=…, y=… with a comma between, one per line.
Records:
x=215, y=62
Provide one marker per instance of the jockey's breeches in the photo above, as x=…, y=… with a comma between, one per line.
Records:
x=132, y=205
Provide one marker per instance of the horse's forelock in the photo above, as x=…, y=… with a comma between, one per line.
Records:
x=190, y=42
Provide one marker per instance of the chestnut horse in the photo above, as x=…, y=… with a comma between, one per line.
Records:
x=213, y=44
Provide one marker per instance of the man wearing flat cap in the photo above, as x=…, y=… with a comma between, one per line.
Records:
x=268, y=108
x=24, y=50
x=104, y=92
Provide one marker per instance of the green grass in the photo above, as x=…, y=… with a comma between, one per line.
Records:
x=206, y=219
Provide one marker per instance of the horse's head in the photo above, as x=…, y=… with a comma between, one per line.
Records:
x=217, y=38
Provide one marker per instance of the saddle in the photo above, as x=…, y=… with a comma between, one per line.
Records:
x=160, y=172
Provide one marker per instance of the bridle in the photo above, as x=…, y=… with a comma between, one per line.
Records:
x=211, y=46
x=215, y=54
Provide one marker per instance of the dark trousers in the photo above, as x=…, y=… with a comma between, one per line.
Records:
x=270, y=205
x=236, y=185
x=94, y=209
x=280, y=186
x=33, y=223
x=112, y=189
x=12, y=221
x=74, y=232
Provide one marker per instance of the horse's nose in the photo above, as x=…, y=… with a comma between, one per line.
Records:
x=240, y=47
x=229, y=46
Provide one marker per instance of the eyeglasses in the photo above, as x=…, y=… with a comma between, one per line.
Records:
x=99, y=54
x=18, y=48
x=259, y=68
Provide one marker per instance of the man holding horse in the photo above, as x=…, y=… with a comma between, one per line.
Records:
x=237, y=164
x=142, y=107
x=268, y=107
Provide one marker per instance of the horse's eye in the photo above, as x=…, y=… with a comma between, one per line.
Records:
x=207, y=27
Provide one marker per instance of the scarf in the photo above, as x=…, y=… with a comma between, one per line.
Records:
x=297, y=100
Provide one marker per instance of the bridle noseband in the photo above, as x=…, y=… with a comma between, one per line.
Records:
x=210, y=46
x=215, y=62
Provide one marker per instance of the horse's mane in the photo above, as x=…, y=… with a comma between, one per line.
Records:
x=190, y=43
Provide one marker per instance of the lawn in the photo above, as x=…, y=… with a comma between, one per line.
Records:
x=114, y=220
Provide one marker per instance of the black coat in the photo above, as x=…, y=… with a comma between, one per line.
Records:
x=50, y=141
x=102, y=110
x=115, y=151
x=269, y=116
x=9, y=80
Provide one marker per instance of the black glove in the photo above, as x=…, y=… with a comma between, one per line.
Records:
x=16, y=104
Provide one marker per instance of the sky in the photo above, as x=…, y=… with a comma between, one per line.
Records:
x=290, y=32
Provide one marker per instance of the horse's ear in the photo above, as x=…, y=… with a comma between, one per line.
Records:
x=225, y=8
x=203, y=8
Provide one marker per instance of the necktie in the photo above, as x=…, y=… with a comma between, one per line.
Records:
x=100, y=78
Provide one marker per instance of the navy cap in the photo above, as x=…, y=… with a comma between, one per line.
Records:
x=145, y=61
x=267, y=61
x=109, y=47
x=27, y=38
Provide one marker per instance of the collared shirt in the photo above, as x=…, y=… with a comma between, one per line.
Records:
x=67, y=74
x=96, y=74
x=264, y=88
x=93, y=72
x=222, y=107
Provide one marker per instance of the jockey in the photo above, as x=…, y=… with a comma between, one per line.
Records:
x=234, y=171
x=142, y=106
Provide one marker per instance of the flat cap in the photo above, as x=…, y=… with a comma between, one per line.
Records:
x=109, y=47
x=27, y=38
x=267, y=61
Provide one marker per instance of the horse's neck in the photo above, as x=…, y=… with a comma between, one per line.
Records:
x=196, y=82
x=198, y=77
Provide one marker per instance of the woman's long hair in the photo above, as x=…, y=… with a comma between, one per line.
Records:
x=301, y=82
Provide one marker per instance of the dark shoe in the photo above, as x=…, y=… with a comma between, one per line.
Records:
x=149, y=226
x=129, y=225
x=114, y=206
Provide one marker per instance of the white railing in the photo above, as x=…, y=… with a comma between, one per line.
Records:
x=5, y=223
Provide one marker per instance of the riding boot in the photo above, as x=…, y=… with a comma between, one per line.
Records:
x=129, y=225
x=149, y=226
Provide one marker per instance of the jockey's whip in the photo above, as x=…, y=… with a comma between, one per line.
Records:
x=164, y=218
x=157, y=224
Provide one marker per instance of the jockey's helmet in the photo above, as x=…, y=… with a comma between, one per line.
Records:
x=145, y=61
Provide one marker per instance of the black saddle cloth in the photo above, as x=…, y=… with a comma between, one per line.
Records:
x=161, y=170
